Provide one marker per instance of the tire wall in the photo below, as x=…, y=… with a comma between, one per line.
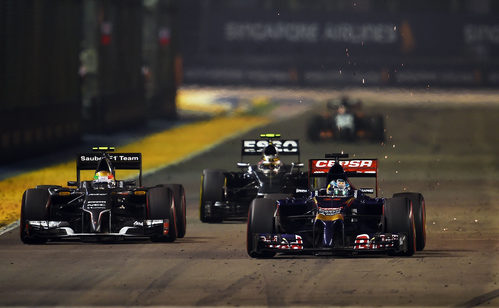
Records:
x=39, y=83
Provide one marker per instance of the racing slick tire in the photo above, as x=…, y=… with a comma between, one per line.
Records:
x=161, y=205
x=33, y=207
x=47, y=186
x=314, y=127
x=260, y=220
x=378, y=128
x=399, y=219
x=180, y=208
x=212, y=190
x=419, y=209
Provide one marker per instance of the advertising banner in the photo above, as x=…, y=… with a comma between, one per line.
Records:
x=314, y=48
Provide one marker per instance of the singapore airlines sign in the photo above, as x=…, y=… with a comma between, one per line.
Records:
x=381, y=33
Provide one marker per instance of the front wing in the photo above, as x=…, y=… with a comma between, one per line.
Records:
x=62, y=230
x=364, y=243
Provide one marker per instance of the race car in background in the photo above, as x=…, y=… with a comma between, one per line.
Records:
x=227, y=194
x=345, y=121
x=103, y=208
x=336, y=217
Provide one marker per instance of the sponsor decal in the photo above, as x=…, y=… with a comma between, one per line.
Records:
x=329, y=214
x=329, y=211
x=303, y=32
x=127, y=158
x=89, y=161
x=90, y=158
x=481, y=33
x=283, y=241
x=282, y=146
x=95, y=205
x=344, y=163
x=367, y=166
x=362, y=242
x=118, y=158
x=381, y=241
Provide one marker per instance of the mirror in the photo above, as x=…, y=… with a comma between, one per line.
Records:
x=243, y=165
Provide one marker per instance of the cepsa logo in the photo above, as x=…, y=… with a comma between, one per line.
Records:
x=344, y=163
x=287, y=146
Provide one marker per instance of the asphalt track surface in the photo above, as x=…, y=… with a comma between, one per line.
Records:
x=449, y=154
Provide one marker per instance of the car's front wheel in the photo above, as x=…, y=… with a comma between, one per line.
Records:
x=212, y=190
x=260, y=221
x=419, y=209
x=33, y=207
x=399, y=219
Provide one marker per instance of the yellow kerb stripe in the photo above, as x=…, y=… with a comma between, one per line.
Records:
x=158, y=150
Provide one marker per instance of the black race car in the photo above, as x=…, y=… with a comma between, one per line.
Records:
x=227, y=194
x=336, y=217
x=346, y=121
x=103, y=208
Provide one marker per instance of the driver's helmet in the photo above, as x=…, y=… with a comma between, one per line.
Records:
x=103, y=176
x=342, y=109
x=338, y=188
x=270, y=160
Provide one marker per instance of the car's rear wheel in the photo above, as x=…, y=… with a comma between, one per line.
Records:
x=180, y=208
x=419, y=210
x=378, y=127
x=161, y=205
x=399, y=219
x=212, y=190
x=314, y=127
x=33, y=207
x=260, y=220
x=47, y=186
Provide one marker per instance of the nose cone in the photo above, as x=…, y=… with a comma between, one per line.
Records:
x=97, y=217
x=98, y=206
x=333, y=235
x=95, y=222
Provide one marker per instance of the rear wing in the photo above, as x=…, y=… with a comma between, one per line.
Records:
x=352, y=167
x=121, y=161
x=365, y=168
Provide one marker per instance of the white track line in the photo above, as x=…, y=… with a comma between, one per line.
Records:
x=10, y=227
